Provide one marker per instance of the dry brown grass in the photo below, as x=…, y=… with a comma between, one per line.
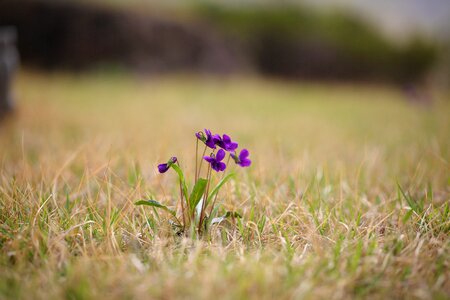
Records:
x=323, y=216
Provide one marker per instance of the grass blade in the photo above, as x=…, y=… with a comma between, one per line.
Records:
x=182, y=181
x=218, y=186
x=156, y=204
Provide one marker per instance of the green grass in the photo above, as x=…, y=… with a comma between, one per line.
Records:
x=347, y=197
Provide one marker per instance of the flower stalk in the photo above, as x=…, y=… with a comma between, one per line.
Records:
x=195, y=204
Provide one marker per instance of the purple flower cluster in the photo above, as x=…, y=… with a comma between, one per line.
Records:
x=226, y=144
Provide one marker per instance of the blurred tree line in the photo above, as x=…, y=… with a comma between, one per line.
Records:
x=284, y=41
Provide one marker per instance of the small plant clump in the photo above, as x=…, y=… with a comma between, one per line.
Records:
x=198, y=208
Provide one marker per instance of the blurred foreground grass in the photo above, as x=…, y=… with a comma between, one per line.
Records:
x=323, y=216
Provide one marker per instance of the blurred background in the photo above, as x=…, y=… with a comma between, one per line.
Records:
x=403, y=42
x=118, y=70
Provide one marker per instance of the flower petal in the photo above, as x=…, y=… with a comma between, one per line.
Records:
x=215, y=166
x=226, y=139
x=208, y=159
x=162, y=168
x=245, y=162
x=220, y=155
x=232, y=146
x=221, y=166
x=210, y=143
x=244, y=154
x=216, y=138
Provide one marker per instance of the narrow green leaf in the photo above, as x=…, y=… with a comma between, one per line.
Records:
x=114, y=216
x=197, y=192
x=407, y=216
x=156, y=204
x=182, y=180
x=218, y=186
x=411, y=202
x=261, y=224
x=355, y=259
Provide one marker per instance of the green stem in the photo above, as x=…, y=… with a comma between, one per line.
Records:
x=201, y=162
x=196, y=160
x=215, y=197
x=183, y=195
x=202, y=212
x=182, y=206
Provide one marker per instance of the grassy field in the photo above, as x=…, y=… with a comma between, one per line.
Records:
x=348, y=195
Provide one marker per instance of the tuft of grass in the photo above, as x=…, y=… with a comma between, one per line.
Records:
x=347, y=197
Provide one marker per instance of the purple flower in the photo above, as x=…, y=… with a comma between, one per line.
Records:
x=242, y=159
x=226, y=143
x=162, y=168
x=216, y=161
x=208, y=138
